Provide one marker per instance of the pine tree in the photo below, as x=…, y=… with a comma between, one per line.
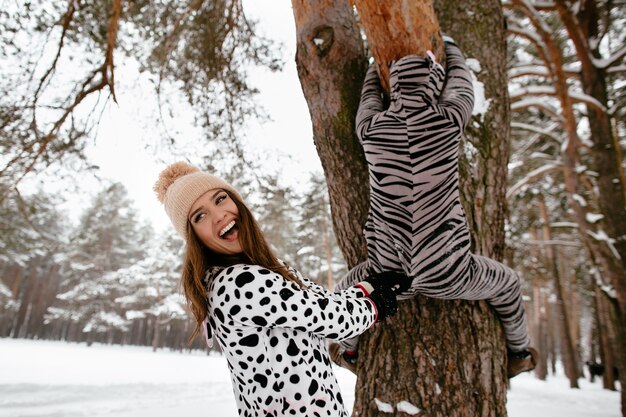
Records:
x=276, y=215
x=318, y=255
x=109, y=237
x=33, y=233
x=151, y=286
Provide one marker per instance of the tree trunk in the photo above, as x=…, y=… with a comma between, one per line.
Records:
x=331, y=64
x=605, y=346
x=539, y=335
x=156, y=335
x=569, y=348
x=541, y=312
x=442, y=363
x=551, y=341
x=398, y=28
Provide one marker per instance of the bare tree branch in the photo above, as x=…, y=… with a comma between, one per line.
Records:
x=65, y=24
x=31, y=153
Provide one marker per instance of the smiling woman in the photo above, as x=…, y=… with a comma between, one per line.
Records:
x=268, y=319
x=212, y=218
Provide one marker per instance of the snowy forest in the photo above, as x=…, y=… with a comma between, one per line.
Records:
x=112, y=279
x=107, y=275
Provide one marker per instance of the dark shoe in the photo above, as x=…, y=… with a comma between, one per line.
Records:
x=522, y=361
x=342, y=358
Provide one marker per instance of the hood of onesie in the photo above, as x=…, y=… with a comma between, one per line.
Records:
x=419, y=77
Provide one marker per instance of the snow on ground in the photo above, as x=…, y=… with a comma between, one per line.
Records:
x=56, y=379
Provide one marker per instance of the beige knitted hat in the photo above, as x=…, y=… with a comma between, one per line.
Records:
x=179, y=186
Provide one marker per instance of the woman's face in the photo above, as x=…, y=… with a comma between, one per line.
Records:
x=214, y=217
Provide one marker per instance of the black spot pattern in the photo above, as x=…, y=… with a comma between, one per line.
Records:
x=259, y=321
x=243, y=279
x=292, y=349
x=286, y=293
x=261, y=379
x=273, y=336
x=250, y=341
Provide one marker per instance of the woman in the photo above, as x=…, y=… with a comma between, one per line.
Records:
x=269, y=321
x=416, y=224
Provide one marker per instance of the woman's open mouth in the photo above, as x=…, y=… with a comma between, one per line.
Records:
x=229, y=232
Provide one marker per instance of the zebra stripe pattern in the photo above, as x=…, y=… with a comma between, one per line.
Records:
x=416, y=223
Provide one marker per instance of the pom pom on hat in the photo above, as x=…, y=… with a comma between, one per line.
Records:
x=171, y=174
x=180, y=185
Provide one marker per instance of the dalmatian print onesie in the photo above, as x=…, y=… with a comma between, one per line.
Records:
x=272, y=334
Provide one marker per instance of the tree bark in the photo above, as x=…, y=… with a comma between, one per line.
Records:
x=398, y=28
x=442, y=363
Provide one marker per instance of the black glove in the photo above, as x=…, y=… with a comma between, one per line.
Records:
x=382, y=288
x=386, y=304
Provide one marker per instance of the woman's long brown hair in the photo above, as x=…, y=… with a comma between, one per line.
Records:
x=198, y=259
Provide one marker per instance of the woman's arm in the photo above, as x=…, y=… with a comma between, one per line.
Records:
x=250, y=295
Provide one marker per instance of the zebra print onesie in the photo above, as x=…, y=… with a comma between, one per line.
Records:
x=415, y=222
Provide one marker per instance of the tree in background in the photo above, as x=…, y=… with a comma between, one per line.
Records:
x=318, y=256
x=151, y=287
x=33, y=233
x=566, y=86
x=108, y=237
x=276, y=213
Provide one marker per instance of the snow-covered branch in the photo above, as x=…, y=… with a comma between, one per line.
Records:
x=604, y=287
x=538, y=69
x=581, y=97
x=532, y=176
x=535, y=39
x=537, y=130
x=610, y=61
x=544, y=6
x=528, y=70
x=616, y=69
x=537, y=103
x=534, y=91
x=601, y=236
x=564, y=224
x=531, y=12
x=553, y=242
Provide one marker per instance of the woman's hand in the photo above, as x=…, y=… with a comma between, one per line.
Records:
x=382, y=288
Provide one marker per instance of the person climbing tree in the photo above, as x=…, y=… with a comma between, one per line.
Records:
x=416, y=224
